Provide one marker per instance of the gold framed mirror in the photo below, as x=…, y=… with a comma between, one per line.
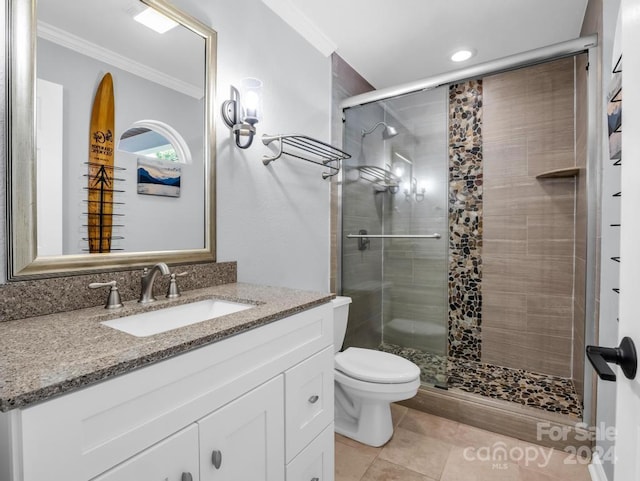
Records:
x=41, y=27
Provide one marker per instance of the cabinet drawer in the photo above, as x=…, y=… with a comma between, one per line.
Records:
x=308, y=400
x=174, y=459
x=316, y=461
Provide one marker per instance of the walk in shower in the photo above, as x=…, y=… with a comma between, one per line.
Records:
x=463, y=241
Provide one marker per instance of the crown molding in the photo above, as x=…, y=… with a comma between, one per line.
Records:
x=297, y=20
x=84, y=47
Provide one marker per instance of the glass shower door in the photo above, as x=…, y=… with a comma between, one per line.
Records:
x=398, y=281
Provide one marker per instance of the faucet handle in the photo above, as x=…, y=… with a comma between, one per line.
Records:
x=174, y=290
x=113, y=301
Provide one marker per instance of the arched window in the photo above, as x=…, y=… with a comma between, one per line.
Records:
x=155, y=140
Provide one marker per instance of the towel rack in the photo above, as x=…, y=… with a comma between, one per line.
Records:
x=380, y=177
x=308, y=149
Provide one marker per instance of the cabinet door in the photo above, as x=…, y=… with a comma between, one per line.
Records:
x=174, y=459
x=244, y=440
x=308, y=400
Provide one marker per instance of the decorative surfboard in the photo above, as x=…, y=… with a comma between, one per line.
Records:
x=101, y=168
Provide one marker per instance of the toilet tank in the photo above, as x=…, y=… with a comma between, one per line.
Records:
x=340, y=318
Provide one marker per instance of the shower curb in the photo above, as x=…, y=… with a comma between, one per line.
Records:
x=503, y=417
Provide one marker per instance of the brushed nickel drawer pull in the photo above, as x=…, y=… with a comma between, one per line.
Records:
x=313, y=399
x=216, y=458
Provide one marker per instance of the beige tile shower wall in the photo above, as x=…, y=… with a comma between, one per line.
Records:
x=528, y=251
x=345, y=82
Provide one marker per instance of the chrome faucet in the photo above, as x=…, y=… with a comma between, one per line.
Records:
x=148, y=277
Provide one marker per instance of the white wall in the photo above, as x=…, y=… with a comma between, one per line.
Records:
x=273, y=220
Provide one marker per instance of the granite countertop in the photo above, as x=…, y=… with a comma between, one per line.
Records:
x=41, y=357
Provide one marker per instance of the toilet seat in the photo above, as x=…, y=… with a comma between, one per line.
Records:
x=376, y=389
x=376, y=366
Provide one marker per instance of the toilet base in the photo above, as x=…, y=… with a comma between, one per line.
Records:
x=363, y=409
x=373, y=433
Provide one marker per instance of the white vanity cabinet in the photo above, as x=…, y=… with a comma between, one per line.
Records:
x=258, y=405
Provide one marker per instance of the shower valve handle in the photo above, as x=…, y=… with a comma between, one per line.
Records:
x=624, y=355
x=363, y=242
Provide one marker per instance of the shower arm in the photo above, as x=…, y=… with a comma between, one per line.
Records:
x=387, y=133
x=367, y=132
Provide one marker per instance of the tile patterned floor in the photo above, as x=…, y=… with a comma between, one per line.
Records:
x=429, y=448
x=540, y=391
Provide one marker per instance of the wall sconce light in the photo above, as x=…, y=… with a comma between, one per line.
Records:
x=416, y=190
x=403, y=168
x=244, y=110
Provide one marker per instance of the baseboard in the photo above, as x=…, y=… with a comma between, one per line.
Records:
x=596, y=470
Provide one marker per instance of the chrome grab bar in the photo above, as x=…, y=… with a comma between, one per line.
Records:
x=393, y=236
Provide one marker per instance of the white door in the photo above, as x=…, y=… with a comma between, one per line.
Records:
x=244, y=440
x=627, y=467
x=49, y=169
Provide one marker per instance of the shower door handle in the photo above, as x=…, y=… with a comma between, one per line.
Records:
x=363, y=235
x=624, y=355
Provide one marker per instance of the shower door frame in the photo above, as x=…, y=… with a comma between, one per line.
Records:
x=588, y=45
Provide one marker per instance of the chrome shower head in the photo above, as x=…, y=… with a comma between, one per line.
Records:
x=387, y=133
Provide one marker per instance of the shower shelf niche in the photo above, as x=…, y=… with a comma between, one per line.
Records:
x=557, y=173
x=308, y=149
x=381, y=178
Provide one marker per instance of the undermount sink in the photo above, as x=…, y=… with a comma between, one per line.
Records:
x=162, y=320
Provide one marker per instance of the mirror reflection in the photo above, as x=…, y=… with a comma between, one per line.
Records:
x=148, y=143
x=139, y=180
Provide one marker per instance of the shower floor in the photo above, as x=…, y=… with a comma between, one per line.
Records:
x=554, y=394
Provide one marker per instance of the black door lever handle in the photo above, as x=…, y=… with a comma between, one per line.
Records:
x=624, y=355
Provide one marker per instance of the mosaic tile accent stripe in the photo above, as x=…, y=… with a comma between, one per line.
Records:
x=465, y=220
x=540, y=391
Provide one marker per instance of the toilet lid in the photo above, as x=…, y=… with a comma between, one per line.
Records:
x=375, y=366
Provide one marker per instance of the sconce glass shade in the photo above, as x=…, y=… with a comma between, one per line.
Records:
x=251, y=94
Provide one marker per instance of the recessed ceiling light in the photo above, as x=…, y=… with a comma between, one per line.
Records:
x=462, y=55
x=155, y=20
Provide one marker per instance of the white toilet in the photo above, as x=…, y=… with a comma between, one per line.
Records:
x=366, y=383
